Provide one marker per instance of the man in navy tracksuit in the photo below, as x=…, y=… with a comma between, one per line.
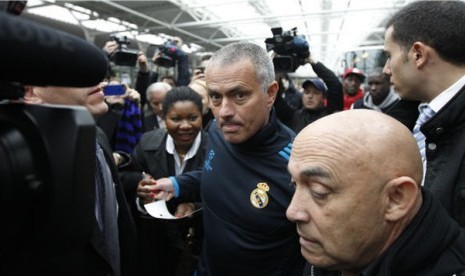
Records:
x=244, y=183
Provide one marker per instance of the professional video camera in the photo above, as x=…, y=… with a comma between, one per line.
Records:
x=169, y=54
x=123, y=56
x=291, y=49
x=47, y=153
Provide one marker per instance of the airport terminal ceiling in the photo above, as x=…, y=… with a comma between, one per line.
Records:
x=331, y=27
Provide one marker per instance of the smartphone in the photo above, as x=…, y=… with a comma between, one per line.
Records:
x=114, y=89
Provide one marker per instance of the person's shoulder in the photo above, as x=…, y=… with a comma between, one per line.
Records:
x=358, y=104
x=287, y=139
x=213, y=130
x=153, y=139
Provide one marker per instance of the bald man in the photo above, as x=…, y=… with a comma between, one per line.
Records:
x=358, y=204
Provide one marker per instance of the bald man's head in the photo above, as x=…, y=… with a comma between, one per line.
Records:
x=357, y=176
x=361, y=135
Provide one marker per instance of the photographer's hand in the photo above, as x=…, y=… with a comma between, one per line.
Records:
x=142, y=61
x=310, y=59
x=156, y=56
x=110, y=47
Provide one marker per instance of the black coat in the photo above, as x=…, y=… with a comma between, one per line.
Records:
x=160, y=242
x=432, y=244
x=445, y=154
x=298, y=119
x=404, y=111
x=126, y=226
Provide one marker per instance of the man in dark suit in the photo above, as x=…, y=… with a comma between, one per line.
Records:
x=153, y=112
x=426, y=63
x=111, y=249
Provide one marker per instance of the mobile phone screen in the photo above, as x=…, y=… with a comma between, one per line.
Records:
x=114, y=89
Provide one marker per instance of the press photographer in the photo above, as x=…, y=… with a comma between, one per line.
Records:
x=168, y=54
x=121, y=54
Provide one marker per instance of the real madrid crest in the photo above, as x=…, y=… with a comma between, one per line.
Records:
x=259, y=197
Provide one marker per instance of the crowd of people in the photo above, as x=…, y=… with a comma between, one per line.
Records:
x=321, y=179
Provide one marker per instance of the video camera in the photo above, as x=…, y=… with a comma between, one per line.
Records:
x=291, y=49
x=47, y=152
x=122, y=55
x=169, y=54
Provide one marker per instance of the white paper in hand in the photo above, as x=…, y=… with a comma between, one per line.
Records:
x=158, y=209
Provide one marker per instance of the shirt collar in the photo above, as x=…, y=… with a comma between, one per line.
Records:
x=442, y=99
x=195, y=146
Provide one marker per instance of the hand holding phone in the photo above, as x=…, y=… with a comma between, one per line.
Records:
x=114, y=89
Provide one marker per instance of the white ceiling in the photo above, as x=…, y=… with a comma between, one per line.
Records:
x=331, y=26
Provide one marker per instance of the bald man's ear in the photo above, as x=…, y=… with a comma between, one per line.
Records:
x=402, y=195
x=272, y=92
x=30, y=96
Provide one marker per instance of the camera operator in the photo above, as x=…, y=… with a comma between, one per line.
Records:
x=111, y=250
x=321, y=96
x=145, y=77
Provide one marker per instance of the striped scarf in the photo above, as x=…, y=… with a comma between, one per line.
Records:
x=129, y=128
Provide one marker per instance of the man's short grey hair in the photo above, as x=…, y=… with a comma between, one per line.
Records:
x=257, y=55
x=157, y=86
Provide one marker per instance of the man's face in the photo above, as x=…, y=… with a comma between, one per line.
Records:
x=91, y=98
x=351, y=85
x=379, y=87
x=237, y=100
x=400, y=69
x=337, y=206
x=156, y=100
x=312, y=98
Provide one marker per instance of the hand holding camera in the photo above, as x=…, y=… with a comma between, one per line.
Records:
x=291, y=49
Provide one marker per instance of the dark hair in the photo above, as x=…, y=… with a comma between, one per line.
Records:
x=169, y=78
x=439, y=24
x=181, y=94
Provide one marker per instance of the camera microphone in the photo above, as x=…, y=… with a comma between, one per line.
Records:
x=33, y=54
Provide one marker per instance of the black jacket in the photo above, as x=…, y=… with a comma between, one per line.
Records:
x=126, y=226
x=402, y=110
x=445, y=154
x=433, y=244
x=242, y=238
x=160, y=242
x=298, y=119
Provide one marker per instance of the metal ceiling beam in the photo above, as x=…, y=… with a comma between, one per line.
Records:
x=169, y=26
x=231, y=39
x=333, y=13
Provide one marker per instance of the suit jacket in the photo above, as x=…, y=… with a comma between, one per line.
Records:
x=150, y=122
x=445, y=154
x=126, y=226
x=160, y=242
